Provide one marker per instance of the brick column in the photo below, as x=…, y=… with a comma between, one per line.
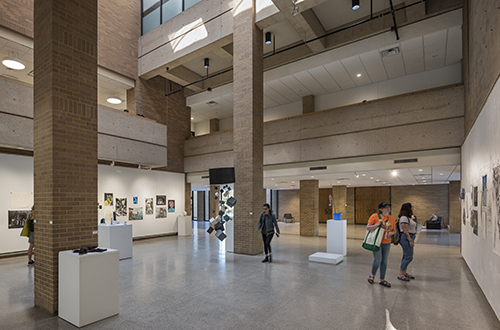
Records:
x=339, y=200
x=178, y=128
x=455, y=208
x=248, y=97
x=201, y=205
x=187, y=196
x=308, y=104
x=309, y=207
x=65, y=137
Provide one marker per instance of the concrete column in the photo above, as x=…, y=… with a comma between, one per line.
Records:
x=454, y=210
x=178, y=128
x=308, y=104
x=248, y=99
x=309, y=207
x=65, y=137
x=339, y=200
x=214, y=125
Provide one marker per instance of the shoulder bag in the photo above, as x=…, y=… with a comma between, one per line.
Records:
x=373, y=238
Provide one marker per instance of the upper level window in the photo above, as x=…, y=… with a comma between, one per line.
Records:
x=157, y=12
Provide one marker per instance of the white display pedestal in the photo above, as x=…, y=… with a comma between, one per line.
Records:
x=117, y=237
x=88, y=286
x=336, y=237
x=336, y=243
x=184, y=226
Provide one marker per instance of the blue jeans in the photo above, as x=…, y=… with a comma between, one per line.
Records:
x=407, y=251
x=380, y=259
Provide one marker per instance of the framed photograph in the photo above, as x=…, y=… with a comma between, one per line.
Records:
x=135, y=213
x=108, y=199
x=135, y=199
x=149, y=206
x=17, y=218
x=121, y=207
x=171, y=206
x=161, y=200
x=161, y=212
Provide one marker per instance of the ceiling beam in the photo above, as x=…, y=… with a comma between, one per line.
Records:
x=183, y=76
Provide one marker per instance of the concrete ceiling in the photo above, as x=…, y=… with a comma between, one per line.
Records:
x=109, y=84
x=433, y=167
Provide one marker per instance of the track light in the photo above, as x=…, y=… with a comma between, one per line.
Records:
x=268, y=38
x=355, y=4
x=206, y=63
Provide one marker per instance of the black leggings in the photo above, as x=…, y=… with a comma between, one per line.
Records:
x=267, y=242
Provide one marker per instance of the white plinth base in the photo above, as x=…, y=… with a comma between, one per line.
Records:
x=118, y=237
x=336, y=237
x=184, y=226
x=326, y=258
x=89, y=288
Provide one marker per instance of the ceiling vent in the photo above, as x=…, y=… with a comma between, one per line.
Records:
x=317, y=168
x=390, y=52
x=404, y=161
x=205, y=177
x=212, y=103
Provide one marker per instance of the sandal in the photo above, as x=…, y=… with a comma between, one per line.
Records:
x=370, y=279
x=411, y=277
x=385, y=283
x=403, y=278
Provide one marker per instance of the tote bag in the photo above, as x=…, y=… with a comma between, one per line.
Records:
x=373, y=238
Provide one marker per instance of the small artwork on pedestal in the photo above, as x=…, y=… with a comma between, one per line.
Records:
x=161, y=212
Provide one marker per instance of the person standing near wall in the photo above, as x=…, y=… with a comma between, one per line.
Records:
x=267, y=222
x=408, y=228
x=388, y=223
x=31, y=237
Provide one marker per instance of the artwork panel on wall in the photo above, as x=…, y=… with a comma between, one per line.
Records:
x=17, y=218
x=488, y=212
x=475, y=194
x=171, y=206
x=135, y=213
x=149, y=206
x=496, y=209
x=108, y=199
x=161, y=200
x=484, y=195
x=121, y=207
x=475, y=227
x=21, y=200
x=135, y=199
x=161, y=212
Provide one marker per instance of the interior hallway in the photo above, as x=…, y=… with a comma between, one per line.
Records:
x=190, y=283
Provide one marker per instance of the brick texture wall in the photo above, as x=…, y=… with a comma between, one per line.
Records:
x=248, y=102
x=187, y=197
x=65, y=137
x=455, y=207
x=148, y=99
x=425, y=199
x=351, y=195
x=309, y=203
x=481, y=48
x=178, y=128
x=289, y=202
x=118, y=35
x=17, y=15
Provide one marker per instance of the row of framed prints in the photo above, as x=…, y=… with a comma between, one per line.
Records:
x=160, y=209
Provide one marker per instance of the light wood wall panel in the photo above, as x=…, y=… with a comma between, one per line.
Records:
x=367, y=200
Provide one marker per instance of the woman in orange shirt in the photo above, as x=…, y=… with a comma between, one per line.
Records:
x=388, y=223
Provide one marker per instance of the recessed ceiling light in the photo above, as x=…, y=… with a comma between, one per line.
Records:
x=312, y=176
x=13, y=63
x=425, y=181
x=114, y=100
x=377, y=180
x=192, y=118
x=358, y=75
x=420, y=170
x=440, y=173
x=394, y=173
x=338, y=181
x=293, y=181
x=364, y=174
x=272, y=179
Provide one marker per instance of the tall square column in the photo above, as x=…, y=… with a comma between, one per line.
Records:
x=65, y=137
x=309, y=207
x=248, y=99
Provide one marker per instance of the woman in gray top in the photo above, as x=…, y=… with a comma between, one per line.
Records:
x=267, y=222
x=408, y=228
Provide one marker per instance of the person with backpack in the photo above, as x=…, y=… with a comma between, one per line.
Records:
x=408, y=228
x=388, y=223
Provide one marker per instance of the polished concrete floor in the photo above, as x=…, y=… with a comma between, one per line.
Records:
x=191, y=283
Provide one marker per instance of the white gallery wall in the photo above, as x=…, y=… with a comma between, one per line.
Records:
x=16, y=176
x=128, y=183
x=480, y=155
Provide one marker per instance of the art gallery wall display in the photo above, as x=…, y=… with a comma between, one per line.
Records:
x=121, y=207
x=475, y=194
x=108, y=199
x=17, y=218
x=149, y=206
x=171, y=206
x=161, y=212
x=135, y=213
x=475, y=228
x=161, y=200
x=484, y=195
x=496, y=209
